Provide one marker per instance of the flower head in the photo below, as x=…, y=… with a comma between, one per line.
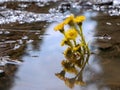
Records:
x=71, y=34
x=68, y=19
x=59, y=27
x=79, y=19
x=64, y=41
x=77, y=48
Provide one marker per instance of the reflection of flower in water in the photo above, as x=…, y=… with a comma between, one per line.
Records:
x=68, y=53
x=74, y=67
x=79, y=80
x=69, y=67
x=70, y=82
x=61, y=75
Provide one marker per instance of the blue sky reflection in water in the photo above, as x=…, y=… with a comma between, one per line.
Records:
x=38, y=73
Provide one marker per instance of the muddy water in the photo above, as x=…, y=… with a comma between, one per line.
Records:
x=109, y=49
x=26, y=35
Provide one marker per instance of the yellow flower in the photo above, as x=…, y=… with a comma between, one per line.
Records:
x=64, y=41
x=59, y=27
x=71, y=34
x=79, y=19
x=76, y=48
x=68, y=19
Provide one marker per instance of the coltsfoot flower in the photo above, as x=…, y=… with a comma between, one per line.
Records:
x=79, y=19
x=76, y=48
x=69, y=19
x=59, y=27
x=71, y=34
x=64, y=41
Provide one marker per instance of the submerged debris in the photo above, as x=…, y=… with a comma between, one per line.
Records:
x=105, y=37
x=5, y=60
